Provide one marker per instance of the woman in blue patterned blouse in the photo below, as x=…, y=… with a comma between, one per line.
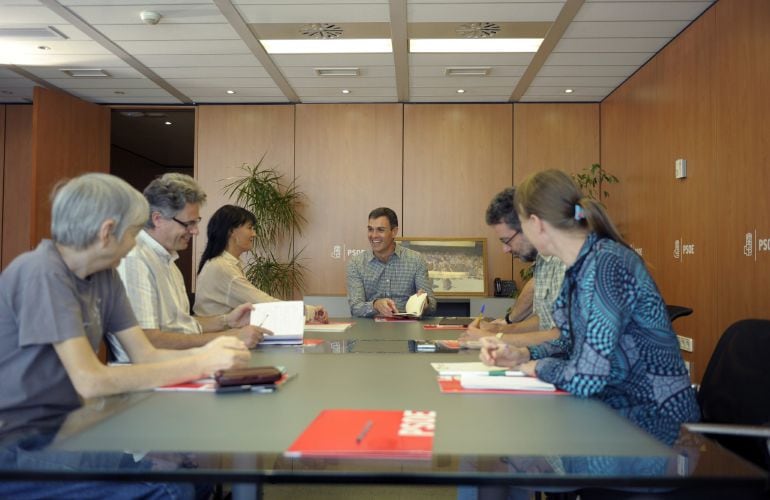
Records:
x=616, y=341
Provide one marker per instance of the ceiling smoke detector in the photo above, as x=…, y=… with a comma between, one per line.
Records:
x=322, y=31
x=478, y=30
x=149, y=17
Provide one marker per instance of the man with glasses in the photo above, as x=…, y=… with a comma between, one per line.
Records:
x=529, y=322
x=154, y=283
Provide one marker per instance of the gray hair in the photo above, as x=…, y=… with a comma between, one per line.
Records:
x=82, y=204
x=170, y=193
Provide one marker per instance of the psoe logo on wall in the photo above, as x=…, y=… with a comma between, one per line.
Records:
x=681, y=249
x=754, y=245
x=341, y=252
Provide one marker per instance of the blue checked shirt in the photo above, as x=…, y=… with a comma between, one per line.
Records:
x=403, y=274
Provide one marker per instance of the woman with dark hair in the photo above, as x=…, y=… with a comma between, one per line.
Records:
x=616, y=343
x=221, y=280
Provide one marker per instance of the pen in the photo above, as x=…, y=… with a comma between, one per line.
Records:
x=259, y=389
x=497, y=373
x=361, y=435
x=263, y=320
x=481, y=311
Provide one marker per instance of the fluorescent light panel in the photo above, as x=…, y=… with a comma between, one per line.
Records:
x=336, y=46
x=336, y=71
x=476, y=45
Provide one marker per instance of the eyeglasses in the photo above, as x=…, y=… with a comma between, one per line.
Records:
x=509, y=240
x=189, y=225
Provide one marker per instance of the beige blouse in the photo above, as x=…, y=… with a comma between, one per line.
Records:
x=222, y=285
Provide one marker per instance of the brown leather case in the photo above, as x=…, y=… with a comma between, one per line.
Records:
x=256, y=375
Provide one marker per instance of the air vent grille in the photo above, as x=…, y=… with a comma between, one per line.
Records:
x=32, y=33
x=478, y=30
x=86, y=73
x=321, y=31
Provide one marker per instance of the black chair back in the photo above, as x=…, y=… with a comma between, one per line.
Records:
x=736, y=385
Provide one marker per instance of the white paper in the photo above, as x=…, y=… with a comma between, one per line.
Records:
x=327, y=327
x=286, y=319
x=505, y=383
x=474, y=368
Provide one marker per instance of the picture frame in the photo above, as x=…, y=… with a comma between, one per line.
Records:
x=456, y=266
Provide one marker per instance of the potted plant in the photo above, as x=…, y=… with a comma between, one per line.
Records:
x=592, y=181
x=275, y=203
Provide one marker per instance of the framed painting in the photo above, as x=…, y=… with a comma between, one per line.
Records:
x=456, y=266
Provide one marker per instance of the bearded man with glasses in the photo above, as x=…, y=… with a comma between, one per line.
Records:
x=529, y=321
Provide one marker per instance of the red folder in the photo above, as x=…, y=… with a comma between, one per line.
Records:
x=401, y=434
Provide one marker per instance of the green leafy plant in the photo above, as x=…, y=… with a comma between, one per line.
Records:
x=593, y=180
x=276, y=205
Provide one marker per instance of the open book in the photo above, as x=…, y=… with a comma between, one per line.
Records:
x=286, y=319
x=414, y=306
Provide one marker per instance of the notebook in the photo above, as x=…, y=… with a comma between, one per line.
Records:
x=286, y=319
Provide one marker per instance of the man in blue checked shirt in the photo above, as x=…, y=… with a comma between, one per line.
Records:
x=381, y=280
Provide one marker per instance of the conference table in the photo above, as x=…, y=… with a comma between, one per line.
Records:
x=538, y=441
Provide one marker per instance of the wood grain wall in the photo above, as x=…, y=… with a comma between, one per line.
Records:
x=348, y=162
x=229, y=136
x=69, y=137
x=17, y=182
x=563, y=136
x=701, y=99
x=456, y=158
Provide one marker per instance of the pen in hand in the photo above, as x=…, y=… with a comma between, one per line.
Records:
x=263, y=320
x=481, y=312
x=361, y=435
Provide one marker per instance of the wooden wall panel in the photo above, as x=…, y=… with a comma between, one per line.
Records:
x=742, y=201
x=563, y=136
x=17, y=181
x=700, y=99
x=69, y=137
x=229, y=136
x=348, y=161
x=456, y=158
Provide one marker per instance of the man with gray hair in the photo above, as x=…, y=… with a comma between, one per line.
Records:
x=57, y=302
x=154, y=283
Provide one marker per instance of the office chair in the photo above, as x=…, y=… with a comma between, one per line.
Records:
x=677, y=312
x=734, y=394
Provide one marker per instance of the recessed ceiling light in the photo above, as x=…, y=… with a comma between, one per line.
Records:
x=166, y=123
x=345, y=91
x=335, y=46
x=568, y=91
x=119, y=92
x=460, y=91
x=474, y=44
x=230, y=92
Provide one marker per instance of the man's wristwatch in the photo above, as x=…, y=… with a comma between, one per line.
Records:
x=507, y=318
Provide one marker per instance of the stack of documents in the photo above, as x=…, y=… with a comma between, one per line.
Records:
x=327, y=327
x=473, y=368
x=505, y=383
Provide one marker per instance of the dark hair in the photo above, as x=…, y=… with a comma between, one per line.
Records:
x=502, y=210
x=553, y=196
x=221, y=225
x=385, y=212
